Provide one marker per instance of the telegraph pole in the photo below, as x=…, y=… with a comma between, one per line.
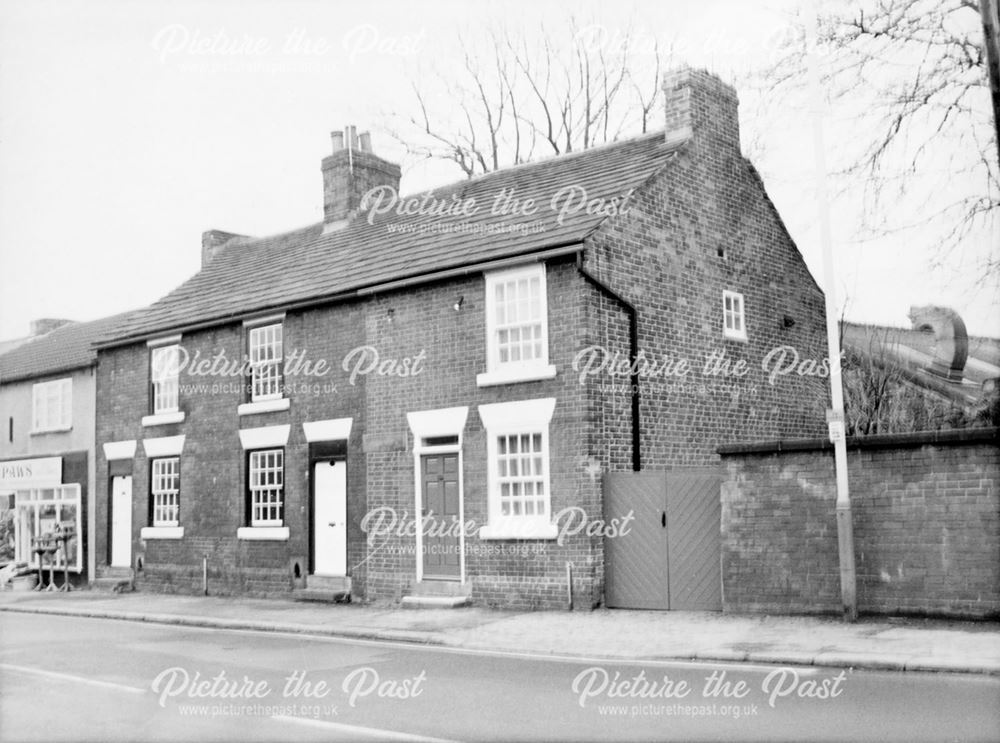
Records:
x=835, y=415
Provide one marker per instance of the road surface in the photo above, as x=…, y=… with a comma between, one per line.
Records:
x=64, y=678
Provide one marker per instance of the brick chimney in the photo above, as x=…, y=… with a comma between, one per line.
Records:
x=351, y=171
x=44, y=325
x=212, y=241
x=701, y=109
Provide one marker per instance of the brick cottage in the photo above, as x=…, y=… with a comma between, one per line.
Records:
x=423, y=399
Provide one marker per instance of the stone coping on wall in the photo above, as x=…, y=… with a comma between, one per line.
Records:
x=878, y=441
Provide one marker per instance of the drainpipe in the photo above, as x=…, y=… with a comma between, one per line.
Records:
x=633, y=354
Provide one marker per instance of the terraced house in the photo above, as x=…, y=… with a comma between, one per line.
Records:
x=428, y=399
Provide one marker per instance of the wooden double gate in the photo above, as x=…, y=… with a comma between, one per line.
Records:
x=671, y=556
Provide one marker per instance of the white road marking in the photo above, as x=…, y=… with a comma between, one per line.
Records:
x=70, y=677
x=378, y=733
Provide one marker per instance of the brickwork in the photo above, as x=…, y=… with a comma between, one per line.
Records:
x=705, y=224
x=926, y=527
x=507, y=573
x=213, y=464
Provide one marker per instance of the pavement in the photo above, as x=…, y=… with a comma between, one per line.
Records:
x=616, y=634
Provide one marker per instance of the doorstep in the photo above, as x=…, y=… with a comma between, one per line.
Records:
x=324, y=588
x=438, y=594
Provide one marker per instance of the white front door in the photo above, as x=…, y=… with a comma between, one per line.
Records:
x=121, y=522
x=330, y=518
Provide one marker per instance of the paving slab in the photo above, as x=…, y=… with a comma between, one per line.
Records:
x=624, y=635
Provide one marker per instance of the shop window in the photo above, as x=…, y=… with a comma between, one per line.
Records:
x=39, y=511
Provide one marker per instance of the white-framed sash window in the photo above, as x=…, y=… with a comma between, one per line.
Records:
x=165, y=488
x=164, y=373
x=517, y=335
x=266, y=474
x=518, y=484
x=265, y=348
x=52, y=406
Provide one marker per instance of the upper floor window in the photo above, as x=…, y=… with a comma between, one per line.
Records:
x=517, y=342
x=733, y=320
x=165, y=488
x=266, y=362
x=164, y=370
x=266, y=476
x=52, y=406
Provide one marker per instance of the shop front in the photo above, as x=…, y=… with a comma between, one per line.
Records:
x=45, y=507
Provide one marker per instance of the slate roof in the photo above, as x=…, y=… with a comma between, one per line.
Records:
x=64, y=349
x=251, y=275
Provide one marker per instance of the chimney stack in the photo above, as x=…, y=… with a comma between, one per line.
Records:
x=350, y=172
x=212, y=241
x=701, y=109
x=44, y=325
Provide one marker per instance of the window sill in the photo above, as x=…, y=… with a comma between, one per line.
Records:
x=162, y=532
x=263, y=533
x=43, y=431
x=522, y=530
x=162, y=419
x=737, y=338
x=264, y=406
x=516, y=374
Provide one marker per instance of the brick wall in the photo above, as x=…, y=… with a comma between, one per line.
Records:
x=926, y=514
x=213, y=467
x=702, y=225
x=399, y=325
x=506, y=573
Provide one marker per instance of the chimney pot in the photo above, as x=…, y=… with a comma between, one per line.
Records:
x=348, y=174
x=338, y=140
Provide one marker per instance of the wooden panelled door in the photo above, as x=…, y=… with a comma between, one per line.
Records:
x=330, y=518
x=440, y=501
x=121, y=522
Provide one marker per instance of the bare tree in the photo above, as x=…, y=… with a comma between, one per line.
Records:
x=515, y=99
x=912, y=75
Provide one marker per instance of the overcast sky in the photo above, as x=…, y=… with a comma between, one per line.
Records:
x=126, y=129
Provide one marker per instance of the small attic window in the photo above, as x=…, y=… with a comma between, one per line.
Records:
x=733, y=319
